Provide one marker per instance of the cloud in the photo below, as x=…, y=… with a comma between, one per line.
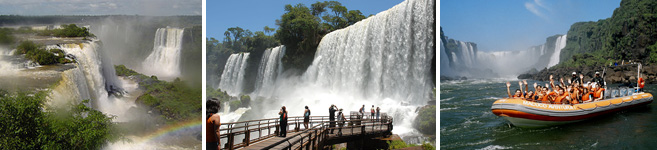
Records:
x=537, y=7
x=101, y=7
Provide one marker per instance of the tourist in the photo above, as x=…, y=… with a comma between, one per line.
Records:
x=517, y=94
x=283, y=124
x=341, y=120
x=587, y=94
x=372, y=112
x=306, y=117
x=561, y=95
x=332, y=110
x=642, y=83
x=598, y=80
x=212, y=125
x=599, y=93
x=378, y=112
x=362, y=112
x=575, y=79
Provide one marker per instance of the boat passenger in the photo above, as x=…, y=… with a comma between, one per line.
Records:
x=642, y=83
x=587, y=95
x=598, y=94
x=597, y=79
x=561, y=96
x=518, y=92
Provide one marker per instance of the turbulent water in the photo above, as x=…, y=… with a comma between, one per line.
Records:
x=232, y=79
x=384, y=60
x=560, y=44
x=466, y=122
x=164, y=61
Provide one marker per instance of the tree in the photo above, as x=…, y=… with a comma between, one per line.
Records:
x=269, y=30
x=298, y=32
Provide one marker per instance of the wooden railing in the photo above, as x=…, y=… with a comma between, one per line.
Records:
x=312, y=137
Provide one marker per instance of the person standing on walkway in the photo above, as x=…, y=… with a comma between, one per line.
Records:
x=332, y=110
x=378, y=112
x=341, y=120
x=372, y=112
x=362, y=112
x=283, y=123
x=212, y=125
x=306, y=117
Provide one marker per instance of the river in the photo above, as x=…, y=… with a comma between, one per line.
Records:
x=466, y=122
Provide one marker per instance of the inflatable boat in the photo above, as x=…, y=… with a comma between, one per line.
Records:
x=527, y=113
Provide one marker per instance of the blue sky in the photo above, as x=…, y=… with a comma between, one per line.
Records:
x=101, y=7
x=254, y=15
x=517, y=24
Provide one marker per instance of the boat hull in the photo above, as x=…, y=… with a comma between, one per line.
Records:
x=523, y=113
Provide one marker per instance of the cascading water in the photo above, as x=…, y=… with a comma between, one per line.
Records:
x=232, y=79
x=466, y=60
x=269, y=69
x=93, y=78
x=164, y=61
x=560, y=44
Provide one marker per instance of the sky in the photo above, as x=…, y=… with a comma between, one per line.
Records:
x=101, y=7
x=255, y=15
x=517, y=24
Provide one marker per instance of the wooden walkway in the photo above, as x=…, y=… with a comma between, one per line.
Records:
x=260, y=134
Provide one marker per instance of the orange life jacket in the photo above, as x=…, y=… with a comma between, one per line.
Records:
x=586, y=96
x=641, y=83
x=546, y=99
x=559, y=99
x=598, y=93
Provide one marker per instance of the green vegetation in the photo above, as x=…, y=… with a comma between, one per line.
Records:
x=40, y=55
x=425, y=121
x=27, y=124
x=628, y=35
x=302, y=28
x=399, y=144
x=70, y=30
x=217, y=93
x=176, y=101
x=6, y=37
x=121, y=70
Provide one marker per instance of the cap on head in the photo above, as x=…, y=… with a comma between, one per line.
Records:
x=574, y=73
x=597, y=72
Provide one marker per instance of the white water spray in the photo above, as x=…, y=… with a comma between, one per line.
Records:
x=232, y=79
x=164, y=61
x=269, y=69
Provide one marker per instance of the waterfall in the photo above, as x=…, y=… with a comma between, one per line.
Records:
x=560, y=44
x=466, y=60
x=164, y=61
x=232, y=79
x=269, y=69
x=92, y=78
x=384, y=56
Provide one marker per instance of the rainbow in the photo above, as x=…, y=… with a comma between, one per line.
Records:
x=172, y=129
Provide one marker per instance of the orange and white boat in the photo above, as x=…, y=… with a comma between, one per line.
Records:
x=525, y=113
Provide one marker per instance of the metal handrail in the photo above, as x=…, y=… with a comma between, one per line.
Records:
x=230, y=130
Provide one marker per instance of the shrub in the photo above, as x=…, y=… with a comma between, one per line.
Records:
x=425, y=121
x=27, y=124
x=6, y=36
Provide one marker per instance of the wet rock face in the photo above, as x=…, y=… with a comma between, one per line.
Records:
x=614, y=74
